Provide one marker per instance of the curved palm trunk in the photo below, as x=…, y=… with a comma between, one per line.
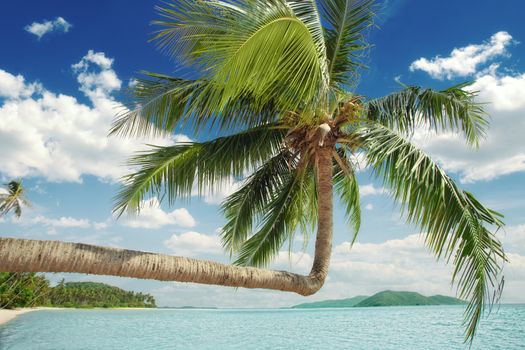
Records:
x=23, y=255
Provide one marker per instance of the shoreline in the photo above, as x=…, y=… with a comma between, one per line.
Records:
x=7, y=315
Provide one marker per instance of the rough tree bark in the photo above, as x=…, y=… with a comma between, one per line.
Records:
x=23, y=255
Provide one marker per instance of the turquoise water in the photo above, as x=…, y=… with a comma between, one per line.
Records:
x=407, y=328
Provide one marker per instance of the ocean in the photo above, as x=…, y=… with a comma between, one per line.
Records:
x=406, y=328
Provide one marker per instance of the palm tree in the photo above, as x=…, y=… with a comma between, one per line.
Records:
x=275, y=80
x=13, y=199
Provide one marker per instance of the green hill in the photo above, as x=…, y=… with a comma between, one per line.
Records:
x=444, y=300
x=392, y=298
x=349, y=302
x=385, y=298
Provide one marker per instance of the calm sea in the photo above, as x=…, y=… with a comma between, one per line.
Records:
x=407, y=328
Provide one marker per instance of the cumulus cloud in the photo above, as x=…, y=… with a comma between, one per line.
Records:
x=503, y=150
x=100, y=225
x=52, y=225
x=194, y=243
x=513, y=239
x=361, y=269
x=15, y=87
x=201, y=245
x=394, y=264
x=464, y=61
x=61, y=222
x=40, y=29
x=371, y=190
x=57, y=137
x=152, y=216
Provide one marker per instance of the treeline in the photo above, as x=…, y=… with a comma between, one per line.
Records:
x=30, y=290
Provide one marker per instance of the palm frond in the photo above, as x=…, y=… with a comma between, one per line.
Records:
x=454, y=220
x=161, y=103
x=180, y=170
x=247, y=204
x=347, y=21
x=258, y=48
x=347, y=187
x=283, y=214
x=453, y=108
x=308, y=12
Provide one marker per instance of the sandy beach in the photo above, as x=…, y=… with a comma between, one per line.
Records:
x=8, y=315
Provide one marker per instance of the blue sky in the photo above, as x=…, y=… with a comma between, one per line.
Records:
x=62, y=79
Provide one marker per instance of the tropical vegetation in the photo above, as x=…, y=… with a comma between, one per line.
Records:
x=31, y=290
x=276, y=81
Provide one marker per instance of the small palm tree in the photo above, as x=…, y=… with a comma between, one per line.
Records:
x=276, y=79
x=13, y=199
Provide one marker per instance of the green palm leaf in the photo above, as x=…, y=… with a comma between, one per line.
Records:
x=161, y=103
x=453, y=108
x=256, y=48
x=179, y=169
x=344, y=35
x=248, y=202
x=283, y=214
x=454, y=220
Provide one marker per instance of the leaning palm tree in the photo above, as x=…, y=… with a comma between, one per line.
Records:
x=13, y=199
x=275, y=80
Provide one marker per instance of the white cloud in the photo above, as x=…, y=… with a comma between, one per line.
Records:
x=193, y=243
x=100, y=225
x=406, y=264
x=466, y=60
x=15, y=87
x=98, y=58
x=503, y=150
x=371, y=190
x=152, y=216
x=361, y=269
x=513, y=239
x=59, y=138
x=369, y=206
x=96, y=84
x=40, y=29
x=63, y=222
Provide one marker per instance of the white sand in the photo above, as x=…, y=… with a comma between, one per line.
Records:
x=8, y=315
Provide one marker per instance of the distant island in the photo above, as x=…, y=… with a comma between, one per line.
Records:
x=30, y=290
x=189, y=307
x=384, y=298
